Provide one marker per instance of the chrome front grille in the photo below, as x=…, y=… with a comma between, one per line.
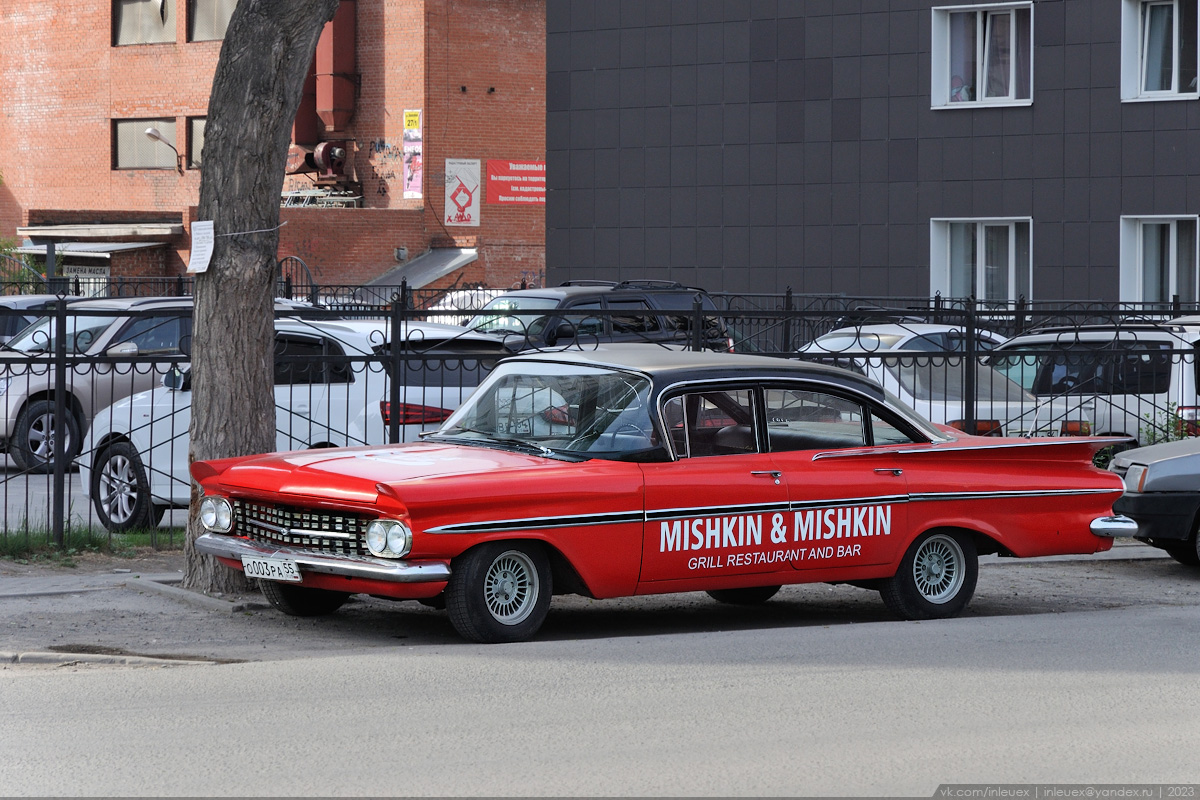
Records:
x=320, y=531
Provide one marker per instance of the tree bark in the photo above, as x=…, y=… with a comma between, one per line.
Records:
x=265, y=58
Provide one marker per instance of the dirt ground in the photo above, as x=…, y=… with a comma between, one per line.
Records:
x=108, y=607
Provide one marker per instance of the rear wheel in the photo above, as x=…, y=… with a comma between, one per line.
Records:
x=499, y=592
x=300, y=601
x=936, y=578
x=747, y=596
x=1187, y=552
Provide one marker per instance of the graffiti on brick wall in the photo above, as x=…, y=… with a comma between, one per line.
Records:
x=385, y=165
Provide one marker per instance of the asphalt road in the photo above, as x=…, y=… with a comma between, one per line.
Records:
x=1066, y=671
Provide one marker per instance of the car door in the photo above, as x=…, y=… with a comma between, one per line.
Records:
x=713, y=511
x=847, y=493
x=162, y=337
x=302, y=377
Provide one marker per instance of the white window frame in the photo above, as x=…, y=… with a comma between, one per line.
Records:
x=940, y=70
x=940, y=278
x=132, y=149
x=148, y=22
x=1132, y=262
x=1133, y=48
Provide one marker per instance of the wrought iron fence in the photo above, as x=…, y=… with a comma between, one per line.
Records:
x=95, y=404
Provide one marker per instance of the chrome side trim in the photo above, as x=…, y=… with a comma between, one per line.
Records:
x=917, y=497
x=379, y=569
x=1114, y=526
x=538, y=523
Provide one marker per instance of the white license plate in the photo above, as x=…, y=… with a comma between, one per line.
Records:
x=271, y=569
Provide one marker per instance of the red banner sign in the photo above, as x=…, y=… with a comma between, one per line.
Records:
x=516, y=181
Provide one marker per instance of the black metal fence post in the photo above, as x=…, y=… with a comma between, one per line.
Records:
x=788, y=306
x=970, y=365
x=697, y=324
x=59, y=431
x=399, y=344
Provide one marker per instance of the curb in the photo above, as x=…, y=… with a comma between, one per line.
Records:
x=67, y=659
x=194, y=598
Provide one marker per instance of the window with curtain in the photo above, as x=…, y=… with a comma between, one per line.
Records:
x=1159, y=259
x=982, y=258
x=143, y=21
x=132, y=149
x=1160, y=49
x=209, y=19
x=195, y=141
x=983, y=55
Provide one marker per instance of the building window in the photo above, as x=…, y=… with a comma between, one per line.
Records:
x=1159, y=49
x=988, y=259
x=195, y=141
x=1158, y=259
x=982, y=55
x=143, y=21
x=132, y=149
x=209, y=19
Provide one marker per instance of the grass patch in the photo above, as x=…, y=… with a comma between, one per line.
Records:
x=38, y=547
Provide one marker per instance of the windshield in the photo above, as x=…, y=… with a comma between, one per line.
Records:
x=495, y=316
x=557, y=409
x=837, y=342
x=82, y=332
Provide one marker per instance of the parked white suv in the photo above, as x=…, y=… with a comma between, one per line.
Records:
x=1136, y=379
x=327, y=394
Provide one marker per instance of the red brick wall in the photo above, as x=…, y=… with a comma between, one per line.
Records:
x=62, y=83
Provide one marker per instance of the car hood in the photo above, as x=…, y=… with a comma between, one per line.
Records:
x=356, y=473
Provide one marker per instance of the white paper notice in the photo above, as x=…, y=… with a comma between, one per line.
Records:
x=202, y=246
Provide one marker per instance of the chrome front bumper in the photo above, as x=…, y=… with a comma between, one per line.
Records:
x=1114, y=526
x=379, y=569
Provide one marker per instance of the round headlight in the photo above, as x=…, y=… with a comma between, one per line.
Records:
x=216, y=514
x=377, y=536
x=399, y=539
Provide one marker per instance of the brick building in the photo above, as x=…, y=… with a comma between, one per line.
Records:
x=401, y=86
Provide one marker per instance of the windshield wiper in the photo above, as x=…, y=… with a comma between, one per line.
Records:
x=492, y=438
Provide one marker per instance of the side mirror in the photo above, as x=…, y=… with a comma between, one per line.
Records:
x=122, y=349
x=177, y=380
x=563, y=330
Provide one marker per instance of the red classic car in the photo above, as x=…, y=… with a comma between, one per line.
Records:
x=638, y=470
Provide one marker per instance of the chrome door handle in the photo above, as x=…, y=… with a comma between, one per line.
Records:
x=891, y=470
x=774, y=473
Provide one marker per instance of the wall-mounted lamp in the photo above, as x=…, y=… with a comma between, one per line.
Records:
x=153, y=135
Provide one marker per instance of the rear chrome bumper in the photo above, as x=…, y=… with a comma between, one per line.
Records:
x=1114, y=526
x=379, y=569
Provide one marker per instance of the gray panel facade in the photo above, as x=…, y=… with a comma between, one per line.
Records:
x=766, y=144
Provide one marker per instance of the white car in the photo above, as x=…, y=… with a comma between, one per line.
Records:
x=332, y=389
x=922, y=336
x=915, y=362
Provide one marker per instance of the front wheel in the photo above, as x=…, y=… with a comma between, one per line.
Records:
x=300, y=601
x=936, y=578
x=32, y=443
x=120, y=491
x=1187, y=552
x=499, y=592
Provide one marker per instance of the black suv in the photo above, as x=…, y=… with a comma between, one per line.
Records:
x=592, y=312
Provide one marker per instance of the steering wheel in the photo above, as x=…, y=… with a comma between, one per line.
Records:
x=1065, y=384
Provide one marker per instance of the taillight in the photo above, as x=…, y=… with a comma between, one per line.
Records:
x=729, y=344
x=983, y=427
x=1189, y=420
x=414, y=413
x=1075, y=427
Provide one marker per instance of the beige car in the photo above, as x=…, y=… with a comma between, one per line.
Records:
x=99, y=333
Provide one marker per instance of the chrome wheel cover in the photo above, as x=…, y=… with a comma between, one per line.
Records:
x=511, y=587
x=40, y=440
x=118, y=489
x=939, y=568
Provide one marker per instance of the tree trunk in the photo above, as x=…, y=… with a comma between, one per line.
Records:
x=265, y=58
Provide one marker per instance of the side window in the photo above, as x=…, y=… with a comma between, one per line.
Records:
x=885, y=432
x=799, y=419
x=633, y=316
x=156, y=335
x=305, y=360
x=711, y=423
x=584, y=320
